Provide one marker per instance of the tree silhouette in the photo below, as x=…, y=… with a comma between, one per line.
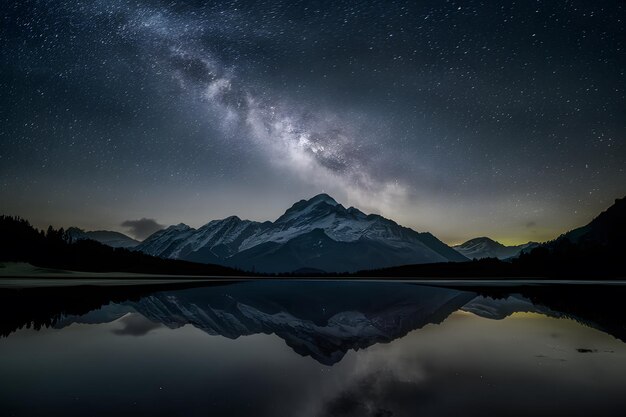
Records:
x=21, y=242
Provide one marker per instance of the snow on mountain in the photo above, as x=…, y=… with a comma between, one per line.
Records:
x=106, y=237
x=339, y=223
x=484, y=247
x=164, y=242
x=249, y=245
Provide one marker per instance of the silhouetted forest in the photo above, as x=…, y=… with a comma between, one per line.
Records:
x=559, y=259
x=21, y=242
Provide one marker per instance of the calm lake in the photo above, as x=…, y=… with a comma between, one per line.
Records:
x=306, y=348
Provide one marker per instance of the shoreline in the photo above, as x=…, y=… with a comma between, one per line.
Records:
x=23, y=275
x=75, y=281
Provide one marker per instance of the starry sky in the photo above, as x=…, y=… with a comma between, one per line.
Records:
x=463, y=118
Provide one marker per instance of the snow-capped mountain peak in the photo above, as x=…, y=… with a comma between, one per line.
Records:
x=242, y=243
x=319, y=203
x=323, y=197
x=484, y=247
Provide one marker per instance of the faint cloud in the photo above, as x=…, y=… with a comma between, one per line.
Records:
x=142, y=228
x=531, y=224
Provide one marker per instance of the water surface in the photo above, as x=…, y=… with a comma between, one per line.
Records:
x=313, y=349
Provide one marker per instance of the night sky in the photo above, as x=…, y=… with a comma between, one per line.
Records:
x=463, y=118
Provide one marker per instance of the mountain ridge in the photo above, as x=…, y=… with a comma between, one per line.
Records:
x=289, y=244
x=485, y=247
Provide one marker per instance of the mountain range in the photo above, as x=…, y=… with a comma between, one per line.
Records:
x=484, y=247
x=318, y=234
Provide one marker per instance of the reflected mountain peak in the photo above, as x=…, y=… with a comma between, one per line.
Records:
x=135, y=325
x=323, y=321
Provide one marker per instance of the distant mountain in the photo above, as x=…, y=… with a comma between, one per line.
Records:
x=484, y=247
x=318, y=233
x=106, y=237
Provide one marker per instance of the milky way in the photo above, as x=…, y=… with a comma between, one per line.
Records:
x=462, y=118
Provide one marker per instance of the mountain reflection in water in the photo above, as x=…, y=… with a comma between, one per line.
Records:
x=327, y=320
